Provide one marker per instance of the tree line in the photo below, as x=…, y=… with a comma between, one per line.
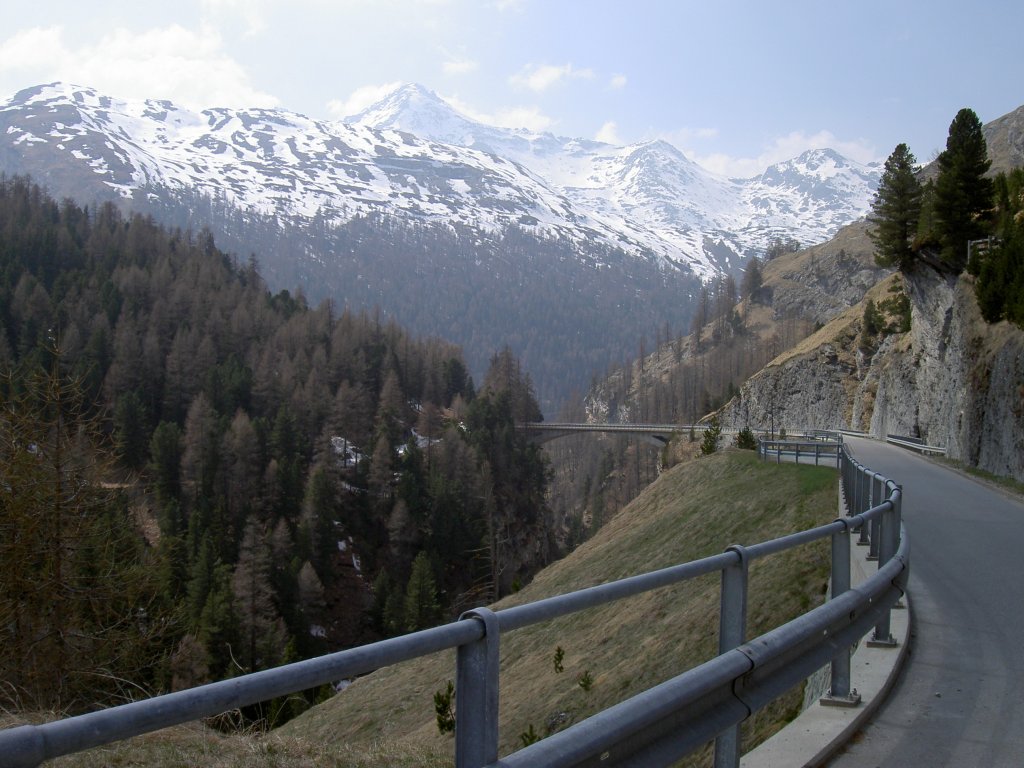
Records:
x=564, y=308
x=961, y=220
x=202, y=478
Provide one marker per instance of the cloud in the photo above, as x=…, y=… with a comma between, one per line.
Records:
x=457, y=65
x=617, y=83
x=250, y=11
x=529, y=118
x=34, y=48
x=186, y=66
x=359, y=99
x=541, y=77
x=609, y=134
x=784, y=148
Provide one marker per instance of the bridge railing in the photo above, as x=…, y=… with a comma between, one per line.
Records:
x=655, y=727
x=821, y=453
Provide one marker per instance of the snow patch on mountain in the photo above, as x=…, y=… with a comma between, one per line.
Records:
x=412, y=155
x=652, y=190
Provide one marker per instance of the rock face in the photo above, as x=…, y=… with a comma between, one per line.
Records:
x=952, y=380
x=824, y=280
x=961, y=383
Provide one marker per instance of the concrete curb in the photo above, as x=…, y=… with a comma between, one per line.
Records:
x=819, y=732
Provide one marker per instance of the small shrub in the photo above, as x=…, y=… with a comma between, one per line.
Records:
x=710, y=442
x=529, y=736
x=745, y=439
x=559, y=658
x=585, y=680
x=443, y=708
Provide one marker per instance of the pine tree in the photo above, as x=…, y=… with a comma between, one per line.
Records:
x=79, y=603
x=421, y=607
x=165, y=449
x=1000, y=285
x=711, y=435
x=896, y=210
x=962, y=192
x=753, y=279
x=262, y=631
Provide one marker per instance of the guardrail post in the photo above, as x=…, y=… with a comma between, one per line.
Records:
x=840, y=694
x=871, y=481
x=476, y=692
x=732, y=633
x=889, y=536
x=867, y=531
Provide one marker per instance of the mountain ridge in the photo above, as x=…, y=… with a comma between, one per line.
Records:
x=458, y=242
x=788, y=199
x=415, y=156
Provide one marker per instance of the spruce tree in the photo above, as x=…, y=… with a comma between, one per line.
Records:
x=80, y=607
x=896, y=210
x=421, y=607
x=753, y=279
x=962, y=192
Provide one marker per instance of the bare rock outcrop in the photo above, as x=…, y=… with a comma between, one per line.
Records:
x=952, y=380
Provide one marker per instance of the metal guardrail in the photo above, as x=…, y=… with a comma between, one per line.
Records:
x=915, y=444
x=829, y=453
x=655, y=727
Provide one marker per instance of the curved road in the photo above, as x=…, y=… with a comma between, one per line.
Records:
x=960, y=699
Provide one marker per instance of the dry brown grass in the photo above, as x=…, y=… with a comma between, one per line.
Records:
x=196, y=746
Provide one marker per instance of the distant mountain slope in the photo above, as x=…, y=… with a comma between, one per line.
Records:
x=569, y=251
x=1005, y=139
x=274, y=162
x=413, y=156
x=652, y=191
x=450, y=241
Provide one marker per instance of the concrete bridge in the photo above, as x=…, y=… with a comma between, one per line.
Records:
x=657, y=435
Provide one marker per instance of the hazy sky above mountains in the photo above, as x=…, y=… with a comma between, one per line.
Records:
x=736, y=84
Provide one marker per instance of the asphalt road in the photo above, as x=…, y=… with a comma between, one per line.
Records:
x=960, y=699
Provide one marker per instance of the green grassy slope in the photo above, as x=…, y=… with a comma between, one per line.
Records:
x=693, y=510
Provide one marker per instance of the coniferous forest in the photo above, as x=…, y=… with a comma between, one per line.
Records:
x=200, y=479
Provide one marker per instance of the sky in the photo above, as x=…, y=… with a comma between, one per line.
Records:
x=735, y=84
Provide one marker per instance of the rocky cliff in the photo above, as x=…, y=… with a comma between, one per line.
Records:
x=952, y=380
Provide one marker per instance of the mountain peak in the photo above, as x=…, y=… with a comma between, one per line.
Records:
x=817, y=164
x=416, y=109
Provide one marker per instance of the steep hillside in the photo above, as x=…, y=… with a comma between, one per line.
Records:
x=683, y=380
x=952, y=380
x=387, y=718
x=682, y=516
x=819, y=282
x=1005, y=139
x=564, y=249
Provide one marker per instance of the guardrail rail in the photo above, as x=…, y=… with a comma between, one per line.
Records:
x=822, y=453
x=915, y=444
x=655, y=727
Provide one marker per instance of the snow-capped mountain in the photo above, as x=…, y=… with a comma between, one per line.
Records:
x=560, y=248
x=279, y=163
x=413, y=156
x=651, y=190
